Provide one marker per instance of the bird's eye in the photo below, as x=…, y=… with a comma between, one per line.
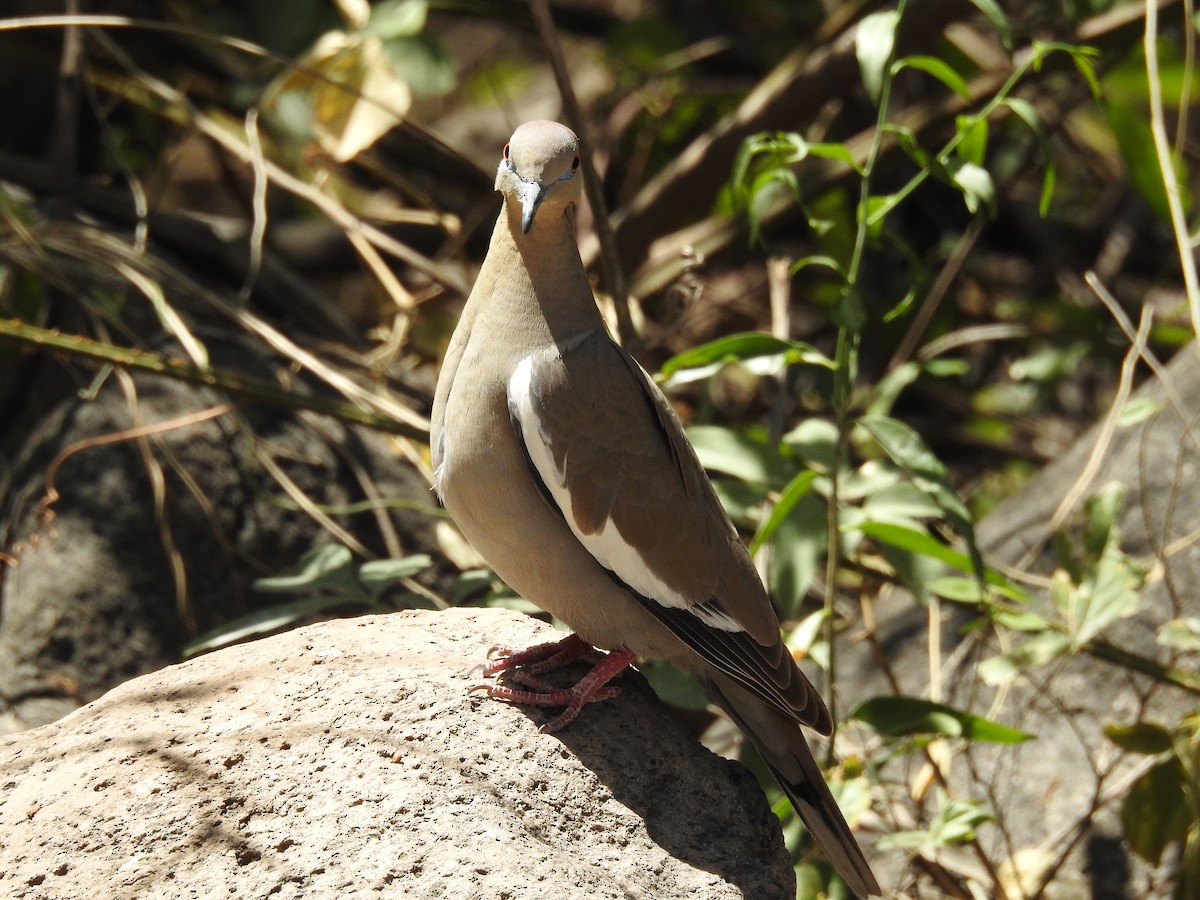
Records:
x=506, y=152
x=575, y=163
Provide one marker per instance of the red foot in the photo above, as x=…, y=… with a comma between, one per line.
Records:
x=526, y=665
x=540, y=658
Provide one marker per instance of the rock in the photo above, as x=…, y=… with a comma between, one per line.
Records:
x=348, y=758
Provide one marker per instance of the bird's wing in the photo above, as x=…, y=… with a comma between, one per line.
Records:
x=610, y=455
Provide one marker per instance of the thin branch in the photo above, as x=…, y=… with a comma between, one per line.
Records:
x=215, y=131
x=258, y=229
x=1108, y=427
x=933, y=300
x=244, y=386
x=64, y=147
x=158, y=493
x=305, y=502
x=1166, y=166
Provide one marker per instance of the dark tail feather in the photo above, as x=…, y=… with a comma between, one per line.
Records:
x=782, y=745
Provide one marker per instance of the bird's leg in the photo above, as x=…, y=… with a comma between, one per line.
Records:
x=526, y=665
x=540, y=658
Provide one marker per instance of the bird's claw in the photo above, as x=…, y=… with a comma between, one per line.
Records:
x=524, y=667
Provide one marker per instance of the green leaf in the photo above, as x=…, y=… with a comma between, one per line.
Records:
x=939, y=69
x=470, y=585
x=322, y=568
x=1028, y=114
x=837, y=153
x=958, y=820
x=796, y=554
x=1037, y=651
x=1147, y=738
x=901, y=716
x=751, y=348
x=914, y=570
x=873, y=44
x=397, y=18
x=673, y=686
x=1136, y=411
x=889, y=387
x=1050, y=363
x=973, y=143
x=1136, y=142
x=906, y=449
x=505, y=600
x=1049, y=180
x=810, y=885
x=999, y=20
x=976, y=185
x=1181, y=634
x=1005, y=399
x=1084, y=59
x=826, y=262
x=957, y=589
x=947, y=368
x=1099, y=583
x=378, y=575
x=954, y=823
x=1110, y=593
x=860, y=484
x=910, y=145
x=798, y=487
x=813, y=440
x=900, y=502
x=424, y=63
x=765, y=189
x=920, y=541
x=807, y=634
x=1153, y=813
x=878, y=206
x=781, y=148
x=1100, y=517
x=905, y=304
x=741, y=167
x=263, y=622
x=1021, y=620
x=737, y=454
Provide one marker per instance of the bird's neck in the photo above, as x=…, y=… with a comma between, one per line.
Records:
x=542, y=277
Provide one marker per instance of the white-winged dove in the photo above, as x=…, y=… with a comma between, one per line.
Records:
x=567, y=469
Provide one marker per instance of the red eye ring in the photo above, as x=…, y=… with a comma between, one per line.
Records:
x=506, y=151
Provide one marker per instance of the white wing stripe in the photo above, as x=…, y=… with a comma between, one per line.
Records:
x=606, y=544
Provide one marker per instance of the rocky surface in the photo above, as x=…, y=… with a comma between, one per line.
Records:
x=348, y=759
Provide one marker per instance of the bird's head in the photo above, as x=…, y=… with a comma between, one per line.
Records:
x=540, y=170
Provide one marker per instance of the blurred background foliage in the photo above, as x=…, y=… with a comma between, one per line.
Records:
x=885, y=260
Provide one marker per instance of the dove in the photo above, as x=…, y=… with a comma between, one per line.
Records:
x=567, y=469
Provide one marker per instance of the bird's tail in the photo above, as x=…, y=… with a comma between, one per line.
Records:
x=782, y=745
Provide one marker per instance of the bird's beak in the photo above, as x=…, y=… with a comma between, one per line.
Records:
x=531, y=194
